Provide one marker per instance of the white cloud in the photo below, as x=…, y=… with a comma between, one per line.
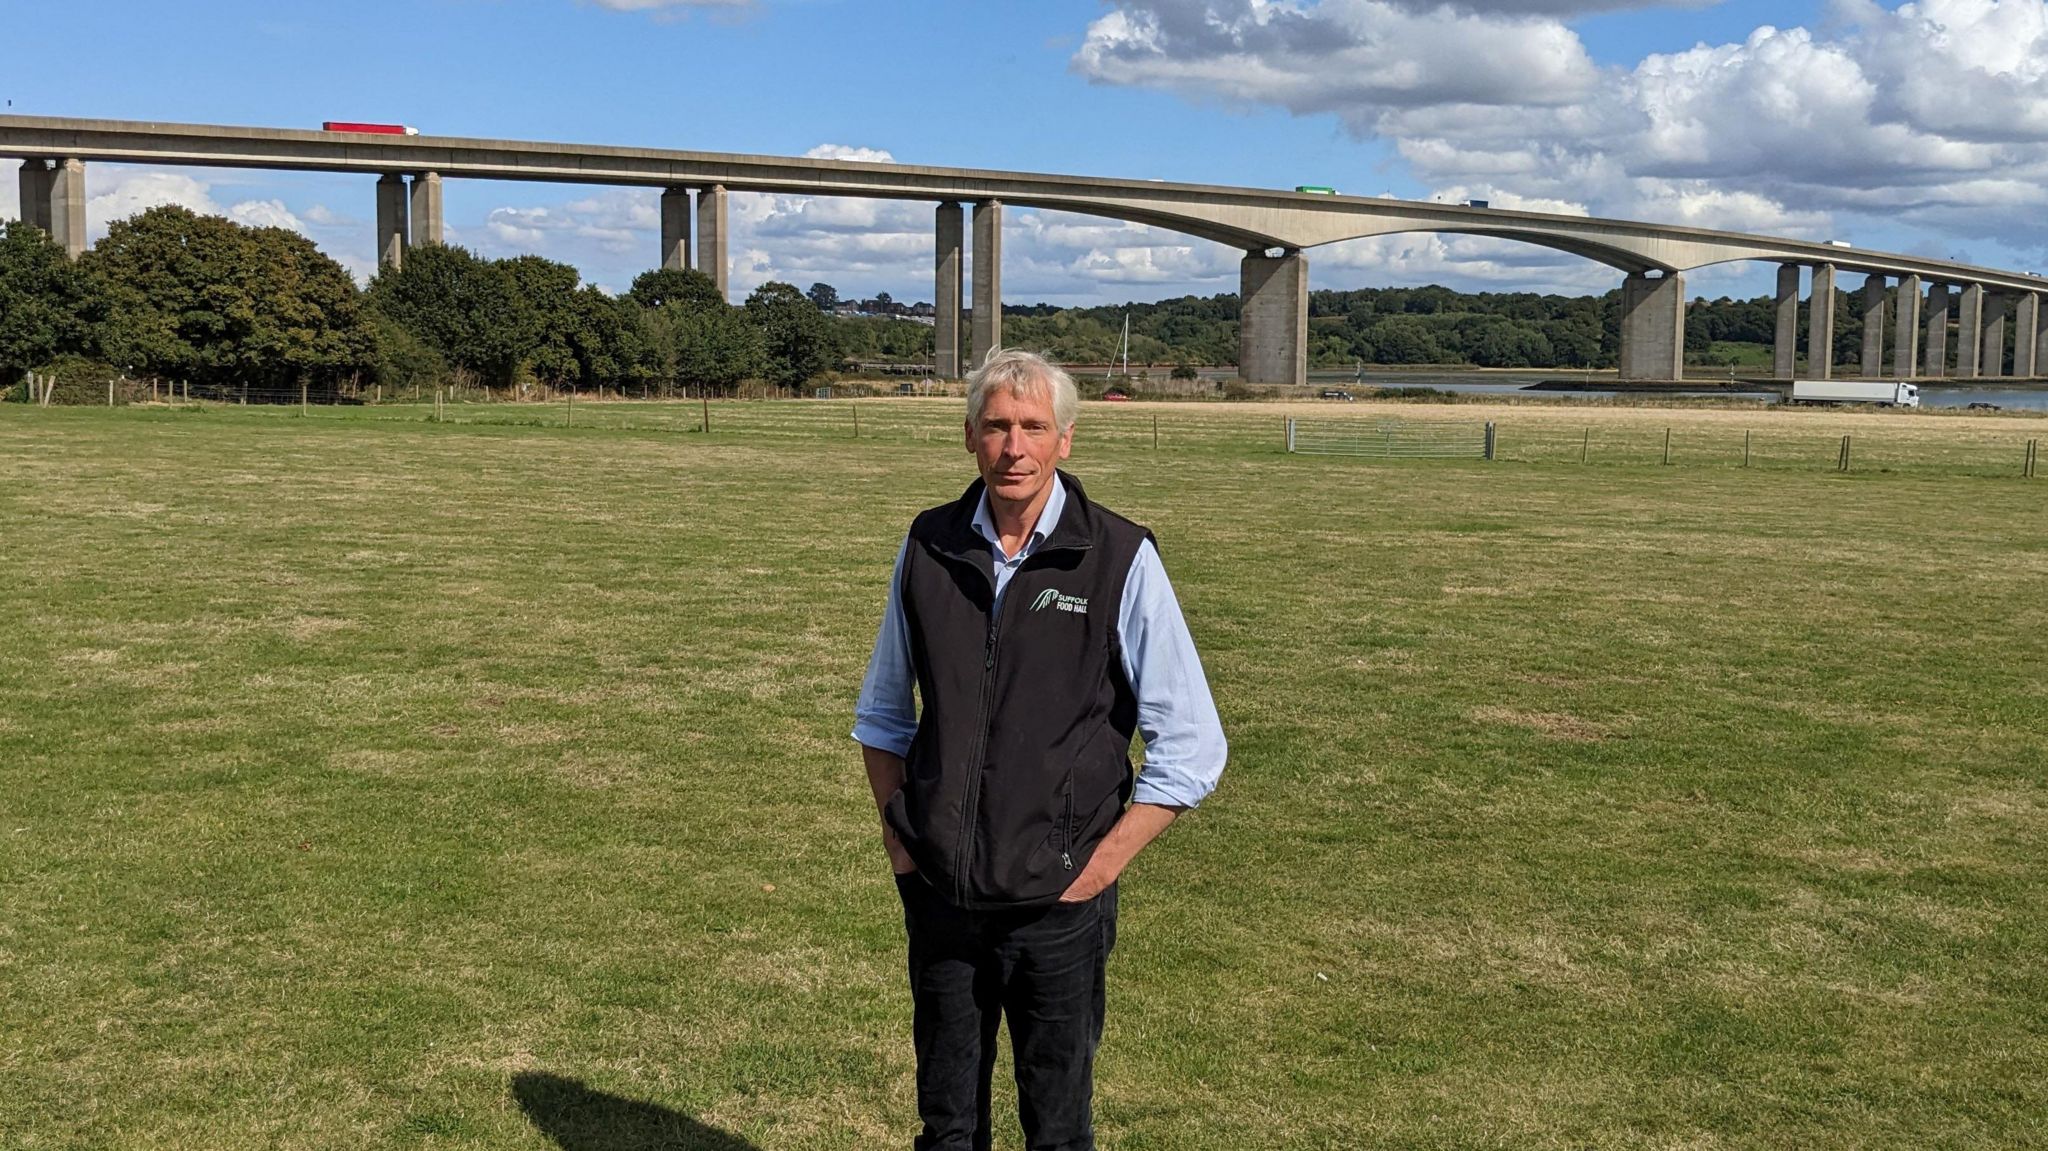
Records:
x=323, y=216
x=116, y=193
x=266, y=214
x=843, y=152
x=614, y=221
x=1928, y=119
x=1353, y=58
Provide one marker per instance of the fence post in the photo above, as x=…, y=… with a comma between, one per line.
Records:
x=856, y=420
x=304, y=410
x=1492, y=443
x=110, y=391
x=1290, y=433
x=1585, y=444
x=1745, y=449
x=1155, y=431
x=1842, y=464
x=706, y=397
x=1667, y=447
x=2027, y=468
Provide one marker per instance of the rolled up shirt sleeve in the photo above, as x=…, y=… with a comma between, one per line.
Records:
x=885, y=718
x=1184, y=746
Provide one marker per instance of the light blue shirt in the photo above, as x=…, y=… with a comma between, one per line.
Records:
x=1184, y=745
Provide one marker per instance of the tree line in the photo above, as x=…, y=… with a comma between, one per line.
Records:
x=1430, y=325
x=232, y=309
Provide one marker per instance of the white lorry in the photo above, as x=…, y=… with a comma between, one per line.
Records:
x=1883, y=393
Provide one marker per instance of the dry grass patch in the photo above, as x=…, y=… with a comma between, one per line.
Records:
x=1550, y=724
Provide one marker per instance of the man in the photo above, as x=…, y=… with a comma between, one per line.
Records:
x=1040, y=632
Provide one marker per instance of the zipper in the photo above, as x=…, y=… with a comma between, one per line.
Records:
x=971, y=810
x=1067, y=828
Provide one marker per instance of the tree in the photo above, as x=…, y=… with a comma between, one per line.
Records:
x=684, y=287
x=1404, y=339
x=224, y=305
x=1508, y=344
x=607, y=339
x=468, y=309
x=549, y=288
x=795, y=340
x=717, y=349
x=824, y=295
x=404, y=361
x=49, y=306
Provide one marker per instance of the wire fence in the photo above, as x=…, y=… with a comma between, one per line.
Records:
x=1392, y=439
x=1959, y=446
x=1789, y=441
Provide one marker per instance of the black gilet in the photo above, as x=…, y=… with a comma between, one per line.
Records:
x=1021, y=762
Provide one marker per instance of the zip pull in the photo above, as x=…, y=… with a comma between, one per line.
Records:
x=1066, y=861
x=989, y=652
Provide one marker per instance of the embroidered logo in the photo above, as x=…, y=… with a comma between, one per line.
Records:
x=1052, y=598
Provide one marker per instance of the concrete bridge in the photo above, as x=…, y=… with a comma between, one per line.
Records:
x=1272, y=228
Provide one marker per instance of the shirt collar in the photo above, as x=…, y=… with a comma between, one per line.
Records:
x=1048, y=518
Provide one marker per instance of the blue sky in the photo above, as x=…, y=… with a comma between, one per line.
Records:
x=1843, y=122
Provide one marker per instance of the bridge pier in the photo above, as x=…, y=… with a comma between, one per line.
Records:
x=1936, y=352
x=988, y=278
x=949, y=231
x=712, y=236
x=1991, y=361
x=1872, y=361
x=2040, y=346
x=1652, y=327
x=53, y=199
x=35, y=194
x=675, y=229
x=1272, y=323
x=426, y=209
x=1820, y=324
x=391, y=221
x=1969, y=331
x=2026, y=319
x=1906, y=328
x=67, y=205
x=1785, y=349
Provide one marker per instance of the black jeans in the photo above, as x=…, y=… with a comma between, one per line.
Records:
x=1040, y=966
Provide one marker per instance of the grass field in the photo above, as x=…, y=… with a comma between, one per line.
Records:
x=368, y=782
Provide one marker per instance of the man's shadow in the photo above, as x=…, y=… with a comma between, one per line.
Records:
x=580, y=1119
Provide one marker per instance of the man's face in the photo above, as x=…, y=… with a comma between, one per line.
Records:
x=1017, y=443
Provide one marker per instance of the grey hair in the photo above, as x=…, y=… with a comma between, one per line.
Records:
x=1021, y=374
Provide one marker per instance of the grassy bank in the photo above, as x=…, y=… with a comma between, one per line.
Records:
x=373, y=782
